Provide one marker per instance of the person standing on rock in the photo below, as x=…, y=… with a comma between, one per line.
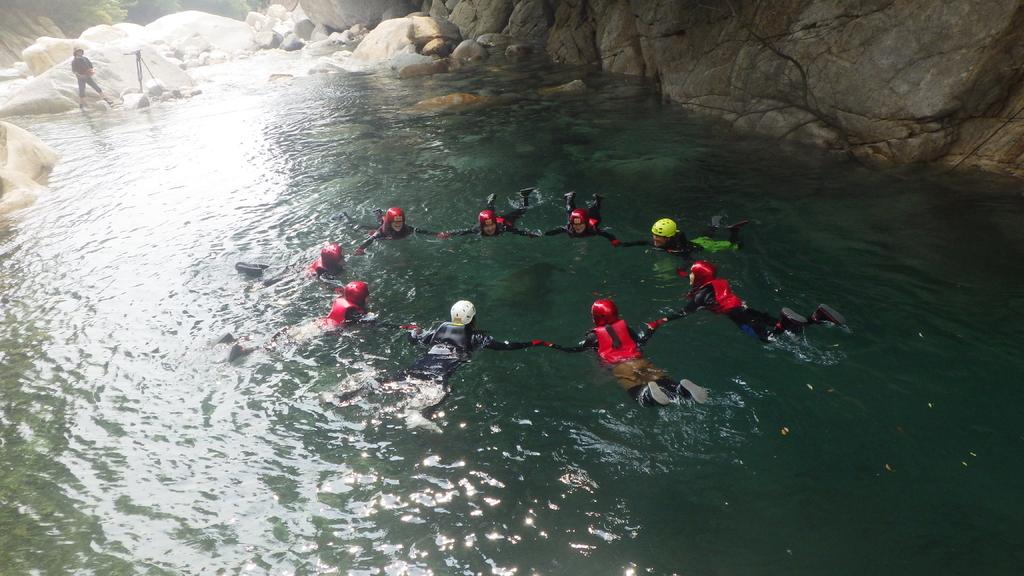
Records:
x=84, y=71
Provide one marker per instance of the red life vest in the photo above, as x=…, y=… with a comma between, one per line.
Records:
x=339, y=313
x=614, y=343
x=725, y=300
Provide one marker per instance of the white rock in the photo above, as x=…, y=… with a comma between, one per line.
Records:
x=155, y=88
x=25, y=165
x=46, y=52
x=390, y=37
x=135, y=101
x=56, y=90
x=403, y=59
x=326, y=65
x=103, y=34
x=218, y=57
x=256, y=21
x=277, y=11
x=224, y=33
x=132, y=30
x=193, y=46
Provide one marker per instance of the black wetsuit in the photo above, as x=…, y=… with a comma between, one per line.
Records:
x=594, y=215
x=450, y=346
x=684, y=248
x=82, y=67
x=677, y=245
x=384, y=231
x=504, y=223
x=752, y=322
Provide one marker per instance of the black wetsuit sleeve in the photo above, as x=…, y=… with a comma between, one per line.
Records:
x=588, y=343
x=605, y=234
x=465, y=232
x=631, y=243
x=416, y=230
x=642, y=336
x=506, y=345
x=556, y=231
x=421, y=338
x=369, y=240
x=530, y=233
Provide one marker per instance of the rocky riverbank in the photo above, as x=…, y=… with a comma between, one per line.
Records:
x=903, y=82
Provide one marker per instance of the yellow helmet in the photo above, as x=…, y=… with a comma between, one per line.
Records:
x=664, y=227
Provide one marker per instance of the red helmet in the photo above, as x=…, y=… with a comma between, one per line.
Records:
x=703, y=272
x=486, y=216
x=331, y=255
x=356, y=292
x=604, y=312
x=392, y=213
x=579, y=216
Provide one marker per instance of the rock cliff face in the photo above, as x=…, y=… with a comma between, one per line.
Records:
x=18, y=31
x=885, y=80
x=905, y=81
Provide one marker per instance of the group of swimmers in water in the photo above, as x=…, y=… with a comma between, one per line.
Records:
x=618, y=345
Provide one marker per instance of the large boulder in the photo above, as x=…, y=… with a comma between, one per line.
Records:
x=25, y=165
x=389, y=38
x=56, y=90
x=46, y=52
x=343, y=14
x=426, y=29
x=103, y=34
x=469, y=51
x=476, y=17
x=219, y=32
x=530, y=20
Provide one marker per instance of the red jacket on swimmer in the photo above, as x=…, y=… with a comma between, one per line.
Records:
x=704, y=273
x=350, y=306
x=615, y=343
x=330, y=262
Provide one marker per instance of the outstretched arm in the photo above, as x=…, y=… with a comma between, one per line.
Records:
x=369, y=240
x=606, y=234
x=588, y=343
x=556, y=231
x=631, y=243
x=416, y=230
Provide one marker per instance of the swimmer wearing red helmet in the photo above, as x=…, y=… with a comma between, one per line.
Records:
x=489, y=223
x=583, y=222
x=391, y=226
x=709, y=292
x=328, y=266
x=618, y=347
x=348, y=308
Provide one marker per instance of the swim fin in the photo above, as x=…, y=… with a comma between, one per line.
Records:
x=697, y=393
x=251, y=269
x=238, y=351
x=653, y=394
x=791, y=321
x=825, y=313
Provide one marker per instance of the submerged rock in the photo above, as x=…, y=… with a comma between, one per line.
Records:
x=451, y=101
x=574, y=87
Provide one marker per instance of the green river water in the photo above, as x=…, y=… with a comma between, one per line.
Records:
x=129, y=446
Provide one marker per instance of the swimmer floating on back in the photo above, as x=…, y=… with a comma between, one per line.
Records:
x=665, y=235
x=618, y=347
x=490, y=224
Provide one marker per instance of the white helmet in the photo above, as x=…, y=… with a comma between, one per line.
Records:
x=463, y=312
